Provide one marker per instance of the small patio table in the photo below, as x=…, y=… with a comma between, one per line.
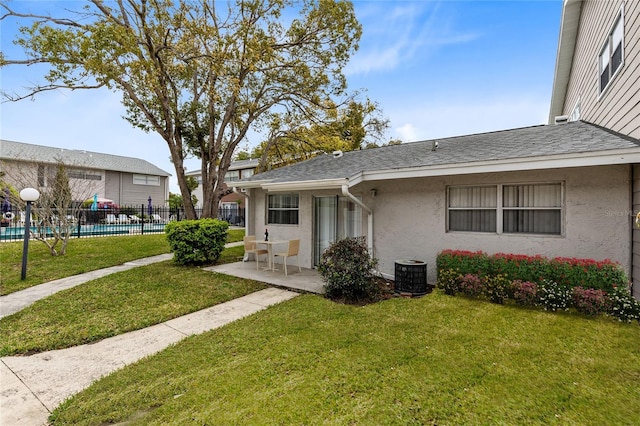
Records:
x=270, y=245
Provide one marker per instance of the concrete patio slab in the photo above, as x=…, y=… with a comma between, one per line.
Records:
x=308, y=281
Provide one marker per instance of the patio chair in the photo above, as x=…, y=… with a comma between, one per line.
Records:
x=250, y=247
x=22, y=221
x=294, y=248
x=134, y=219
x=123, y=218
x=110, y=218
x=155, y=218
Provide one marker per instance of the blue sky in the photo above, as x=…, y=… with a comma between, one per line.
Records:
x=436, y=68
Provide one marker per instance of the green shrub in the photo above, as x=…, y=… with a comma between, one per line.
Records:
x=623, y=305
x=449, y=281
x=567, y=272
x=471, y=285
x=196, y=242
x=590, y=301
x=553, y=297
x=498, y=288
x=525, y=293
x=466, y=262
x=347, y=270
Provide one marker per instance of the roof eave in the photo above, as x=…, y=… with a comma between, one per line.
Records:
x=306, y=185
x=586, y=159
x=564, y=57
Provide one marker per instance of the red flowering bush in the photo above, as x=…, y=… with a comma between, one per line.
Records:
x=471, y=285
x=590, y=301
x=566, y=272
x=525, y=293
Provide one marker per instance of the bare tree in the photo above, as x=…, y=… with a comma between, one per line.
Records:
x=56, y=213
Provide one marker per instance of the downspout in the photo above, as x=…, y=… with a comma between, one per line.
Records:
x=346, y=193
x=246, y=216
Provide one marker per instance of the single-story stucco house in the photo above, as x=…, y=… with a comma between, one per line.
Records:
x=554, y=190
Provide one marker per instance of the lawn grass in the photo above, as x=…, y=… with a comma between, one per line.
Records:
x=430, y=360
x=115, y=304
x=83, y=255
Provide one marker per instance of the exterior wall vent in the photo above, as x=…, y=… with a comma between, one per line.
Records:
x=337, y=154
x=561, y=119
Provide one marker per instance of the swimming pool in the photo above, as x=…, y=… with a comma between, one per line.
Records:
x=14, y=233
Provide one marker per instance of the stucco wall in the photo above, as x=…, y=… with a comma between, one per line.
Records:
x=410, y=218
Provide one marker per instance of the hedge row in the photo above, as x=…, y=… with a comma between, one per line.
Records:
x=567, y=272
x=546, y=294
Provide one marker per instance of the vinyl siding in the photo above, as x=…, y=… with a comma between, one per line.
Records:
x=121, y=189
x=618, y=107
x=635, y=270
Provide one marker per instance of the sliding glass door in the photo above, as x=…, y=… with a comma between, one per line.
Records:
x=334, y=218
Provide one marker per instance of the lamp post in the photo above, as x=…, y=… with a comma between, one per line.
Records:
x=29, y=195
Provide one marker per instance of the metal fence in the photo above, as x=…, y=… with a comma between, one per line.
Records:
x=126, y=220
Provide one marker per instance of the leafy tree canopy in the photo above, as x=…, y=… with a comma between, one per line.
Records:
x=199, y=73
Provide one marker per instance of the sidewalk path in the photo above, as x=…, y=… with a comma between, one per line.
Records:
x=32, y=386
x=14, y=302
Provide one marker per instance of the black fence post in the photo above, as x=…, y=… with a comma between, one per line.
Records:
x=142, y=221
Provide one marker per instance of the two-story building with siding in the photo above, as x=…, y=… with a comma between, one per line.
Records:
x=232, y=206
x=597, y=79
x=124, y=180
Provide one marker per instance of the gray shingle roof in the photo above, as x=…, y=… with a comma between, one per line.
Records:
x=18, y=151
x=508, y=145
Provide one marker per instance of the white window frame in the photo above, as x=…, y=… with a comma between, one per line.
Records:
x=246, y=173
x=575, y=112
x=274, y=209
x=605, y=57
x=232, y=176
x=150, y=180
x=500, y=209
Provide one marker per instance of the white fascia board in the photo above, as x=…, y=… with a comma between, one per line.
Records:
x=564, y=56
x=250, y=184
x=623, y=156
x=305, y=185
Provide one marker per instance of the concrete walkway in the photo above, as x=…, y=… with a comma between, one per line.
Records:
x=32, y=386
x=19, y=300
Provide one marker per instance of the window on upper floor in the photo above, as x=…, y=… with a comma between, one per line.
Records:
x=247, y=173
x=575, y=113
x=508, y=209
x=146, y=180
x=232, y=176
x=612, y=53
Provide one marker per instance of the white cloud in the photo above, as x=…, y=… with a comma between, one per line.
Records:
x=416, y=29
x=406, y=132
x=433, y=121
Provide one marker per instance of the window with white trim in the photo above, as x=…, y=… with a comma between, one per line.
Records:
x=283, y=209
x=509, y=209
x=146, y=180
x=612, y=53
x=232, y=176
x=246, y=173
x=473, y=208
